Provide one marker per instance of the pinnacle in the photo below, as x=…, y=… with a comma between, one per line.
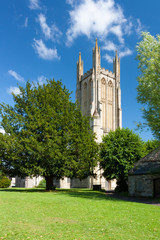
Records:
x=79, y=57
x=116, y=54
x=96, y=47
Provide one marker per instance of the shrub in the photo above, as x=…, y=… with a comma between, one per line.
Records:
x=119, y=150
x=42, y=184
x=5, y=182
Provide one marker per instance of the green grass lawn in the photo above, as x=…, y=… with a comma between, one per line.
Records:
x=74, y=214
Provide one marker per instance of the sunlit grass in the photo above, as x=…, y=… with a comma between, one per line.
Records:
x=74, y=214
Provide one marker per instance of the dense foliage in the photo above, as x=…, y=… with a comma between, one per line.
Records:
x=46, y=135
x=7, y=148
x=42, y=184
x=119, y=151
x=148, y=55
x=150, y=145
x=5, y=182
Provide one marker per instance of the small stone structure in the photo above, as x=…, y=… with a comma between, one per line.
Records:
x=88, y=182
x=26, y=182
x=144, y=177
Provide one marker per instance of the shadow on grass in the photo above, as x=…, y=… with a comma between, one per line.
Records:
x=110, y=195
x=125, y=197
x=76, y=193
x=22, y=190
x=87, y=194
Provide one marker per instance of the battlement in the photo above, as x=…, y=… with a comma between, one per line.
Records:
x=107, y=72
x=88, y=73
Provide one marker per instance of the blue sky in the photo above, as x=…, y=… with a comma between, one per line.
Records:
x=42, y=39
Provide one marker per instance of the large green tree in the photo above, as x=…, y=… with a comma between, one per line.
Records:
x=119, y=151
x=149, y=146
x=148, y=55
x=6, y=150
x=47, y=134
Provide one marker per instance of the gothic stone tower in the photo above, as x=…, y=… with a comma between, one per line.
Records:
x=99, y=95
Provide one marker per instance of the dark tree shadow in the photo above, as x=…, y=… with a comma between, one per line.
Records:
x=30, y=190
x=87, y=194
x=74, y=192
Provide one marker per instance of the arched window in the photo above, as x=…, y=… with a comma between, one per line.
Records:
x=90, y=95
x=110, y=91
x=90, y=92
x=103, y=89
x=103, y=100
x=110, y=105
x=84, y=98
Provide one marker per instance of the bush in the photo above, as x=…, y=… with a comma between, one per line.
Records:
x=42, y=184
x=119, y=150
x=5, y=182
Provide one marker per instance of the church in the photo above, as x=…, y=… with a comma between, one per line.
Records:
x=98, y=93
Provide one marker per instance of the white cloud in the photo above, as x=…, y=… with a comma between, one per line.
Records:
x=52, y=32
x=103, y=19
x=125, y=52
x=34, y=4
x=70, y=2
x=109, y=46
x=96, y=18
x=2, y=131
x=45, y=28
x=14, y=90
x=42, y=80
x=26, y=22
x=16, y=76
x=128, y=29
x=44, y=52
x=139, y=27
x=117, y=30
x=108, y=58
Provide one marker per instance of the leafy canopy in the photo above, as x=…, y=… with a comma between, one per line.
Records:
x=119, y=151
x=149, y=146
x=47, y=135
x=148, y=55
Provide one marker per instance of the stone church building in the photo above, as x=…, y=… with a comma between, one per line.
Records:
x=99, y=94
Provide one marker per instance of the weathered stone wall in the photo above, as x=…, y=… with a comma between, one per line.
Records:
x=85, y=183
x=62, y=183
x=142, y=185
x=27, y=182
x=72, y=183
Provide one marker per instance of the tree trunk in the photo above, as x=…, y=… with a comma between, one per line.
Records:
x=49, y=183
x=122, y=185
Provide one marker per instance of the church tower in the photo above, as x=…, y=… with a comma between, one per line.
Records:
x=99, y=94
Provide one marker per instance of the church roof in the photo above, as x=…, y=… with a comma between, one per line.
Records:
x=150, y=164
